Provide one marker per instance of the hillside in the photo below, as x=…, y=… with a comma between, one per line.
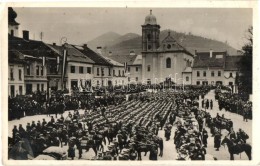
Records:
x=133, y=42
x=109, y=38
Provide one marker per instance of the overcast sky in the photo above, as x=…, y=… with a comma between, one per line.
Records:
x=80, y=25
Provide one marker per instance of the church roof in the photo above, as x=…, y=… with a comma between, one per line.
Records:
x=150, y=19
x=169, y=44
x=203, y=60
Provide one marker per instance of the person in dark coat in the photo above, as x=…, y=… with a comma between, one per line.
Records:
x=153, y=152
x=211, y=104
x=202, y=103
x=217, y=140
x=207, y=104
x=205, y=137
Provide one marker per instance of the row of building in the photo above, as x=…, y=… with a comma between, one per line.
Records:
x=38, y=66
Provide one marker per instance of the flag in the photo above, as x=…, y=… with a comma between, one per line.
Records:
x=64, y=61
x=58, y=63
x=43, y=60
x=125, y=65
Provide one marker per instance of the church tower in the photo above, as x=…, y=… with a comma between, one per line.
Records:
x=150, y=33
x=13, y=26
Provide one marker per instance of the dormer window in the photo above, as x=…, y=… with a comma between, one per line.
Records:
x=169, y=46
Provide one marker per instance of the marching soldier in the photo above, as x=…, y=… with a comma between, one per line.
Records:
x=204, y=137
x=217, y=140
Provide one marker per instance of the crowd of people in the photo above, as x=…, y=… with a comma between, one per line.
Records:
x=234, y=103
x=126, y=127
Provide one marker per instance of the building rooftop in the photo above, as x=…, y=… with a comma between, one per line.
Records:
x=232, y=62
x=32, y=48
x=203, y=60
x=73, y=54
x=95, y=57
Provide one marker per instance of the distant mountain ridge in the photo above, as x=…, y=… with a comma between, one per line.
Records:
x=123, y=44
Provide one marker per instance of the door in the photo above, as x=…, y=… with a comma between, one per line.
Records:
x=28, y=88
x=12, y=90
x=74, y=84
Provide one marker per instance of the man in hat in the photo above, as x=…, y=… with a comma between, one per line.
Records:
x=15, y=131
x=217, y=140
x=204, y=137
x=43, y=122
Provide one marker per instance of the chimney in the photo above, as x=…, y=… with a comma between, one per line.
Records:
x=85, y=46
x=110, y=53
x=132, y=52
x=25, y=35
x=195, y=53
x=210, y=53
x=54, y=44
x=99, y=50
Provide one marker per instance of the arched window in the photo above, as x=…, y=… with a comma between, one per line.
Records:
x=168, y=63
x=149, y=37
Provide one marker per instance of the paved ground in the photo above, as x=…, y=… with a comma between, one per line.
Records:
x=169, y=147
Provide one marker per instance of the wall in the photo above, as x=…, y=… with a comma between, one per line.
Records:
x=132, y=74
x=159, y=72
x=78, y=76
x=16, y=82
x=209, y=78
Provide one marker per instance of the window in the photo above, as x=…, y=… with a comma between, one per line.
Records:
x=187, y=78
x=72, y=69
x=198, y=83
x=169, y=46
x=128, y=69
x=204, y=82
x=20, y=74
x=136, y=68
x=102, y=83
x=148, y=68
x=123, y=73
x=97, y=71
x=38, y=87
x=20, y=90
x=42, y=87
x=148, y=37
x=102, y=72
x=136, y=78
x=219, y=73
x=230, y=74
x=168, y=63
x=149, y=47
x=12, y=74
x=89, y=70
x=149, y=81
x=119, y=73
x=212, y=73
x=198, y=73
x=28, y=70
x=37, y=70
x=42, y=70
x=97, y=82
x=204, y=73
x=114, y=72
x=12, y=90
x=81, y=70
x=128, y=79
x=109, y=71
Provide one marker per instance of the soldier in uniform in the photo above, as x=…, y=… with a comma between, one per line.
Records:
x=204, y=137
x=217, y=140
x=211, y=104
x=15, y=131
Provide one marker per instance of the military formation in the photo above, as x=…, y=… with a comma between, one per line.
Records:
x=116, y=129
